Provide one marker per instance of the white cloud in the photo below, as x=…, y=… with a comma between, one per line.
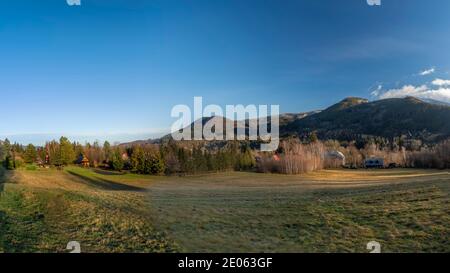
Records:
x=377, y=91
x=441, y=82
x=407, y=90
x=423, y=91
x=427, y=72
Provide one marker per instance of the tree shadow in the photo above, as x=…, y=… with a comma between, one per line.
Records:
x=105, y=172
x=105, y=184
x=2, y=214
x=2, y=179
x=2, y=231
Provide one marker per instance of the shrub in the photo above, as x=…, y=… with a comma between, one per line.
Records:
x=31, y=167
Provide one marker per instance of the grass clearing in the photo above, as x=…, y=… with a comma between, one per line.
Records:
x=328, y=211
x=42, y=210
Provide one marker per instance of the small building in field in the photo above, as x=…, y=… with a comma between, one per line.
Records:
x=374, y=162
x=84, y=161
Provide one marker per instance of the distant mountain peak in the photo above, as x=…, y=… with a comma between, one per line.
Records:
x=347, y=102
x=355, y=117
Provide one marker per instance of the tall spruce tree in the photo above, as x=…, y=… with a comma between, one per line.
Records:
x=30, y=154
x=107, y=151
x=67, y=153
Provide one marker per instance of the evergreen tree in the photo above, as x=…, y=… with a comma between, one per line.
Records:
x=313, y=137
x=2, y=152
x=30, y=154
x=54, y=153
x=8, y=163
x=137, y=159
x=157, y=166
x=107, y=150
x=117, y=162
x=6, y=150
x=78, y=149
x=246, y=160
x=67, y=153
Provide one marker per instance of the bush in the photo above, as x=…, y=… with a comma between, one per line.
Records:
x=117, y=163
x=266, y=164
x=31, y=167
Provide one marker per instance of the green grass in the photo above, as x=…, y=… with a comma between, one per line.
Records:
x=45, y=218
x=331, y=211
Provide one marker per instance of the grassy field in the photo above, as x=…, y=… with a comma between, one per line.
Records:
x=327, y=211
x=41, y=211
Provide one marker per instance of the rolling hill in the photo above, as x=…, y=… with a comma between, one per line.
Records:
x=353, y=118
x=386, y=118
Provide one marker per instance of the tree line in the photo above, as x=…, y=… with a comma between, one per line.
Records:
x=294, y=155
x=168, y=158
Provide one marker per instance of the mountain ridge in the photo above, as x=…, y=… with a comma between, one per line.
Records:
x=354, y=117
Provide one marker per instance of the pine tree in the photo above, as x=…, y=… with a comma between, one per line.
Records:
x=313, y=137
x=2, y=151
x=117, y=162
x=137, y=159
x=107, y=150
x=6, y=149
x=246, y=160
x=67, y=153
x=30, y=154
x=157, y=166
x=8, y=163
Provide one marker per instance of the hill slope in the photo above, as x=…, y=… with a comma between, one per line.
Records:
x=353, y=118
x=386, y=118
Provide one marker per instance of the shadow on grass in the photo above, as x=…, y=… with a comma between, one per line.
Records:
x=105, y=184
x=105, y=172
x=2, y=178
x=2, y=214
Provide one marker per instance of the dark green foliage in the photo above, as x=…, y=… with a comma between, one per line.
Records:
x=54, y=153
x=184, y=158
x=246, y=160
x=147, y=160
x=155, y=164
x=60, y=153
x=67, y=153
x=117, y=162
x=30, y=154
x=8, y=163
x=313, y=137
x=107, y=150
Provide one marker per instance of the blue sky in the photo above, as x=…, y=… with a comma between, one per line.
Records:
x=114, y=69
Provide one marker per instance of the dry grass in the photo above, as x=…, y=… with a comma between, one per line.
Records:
x=41, y=211
x=325, y=211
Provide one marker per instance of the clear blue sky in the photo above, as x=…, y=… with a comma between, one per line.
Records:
x=115, y=67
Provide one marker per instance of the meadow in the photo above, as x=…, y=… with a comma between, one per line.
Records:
x=405, y=210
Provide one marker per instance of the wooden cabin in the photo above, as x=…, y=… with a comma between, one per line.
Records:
x=84, y=162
